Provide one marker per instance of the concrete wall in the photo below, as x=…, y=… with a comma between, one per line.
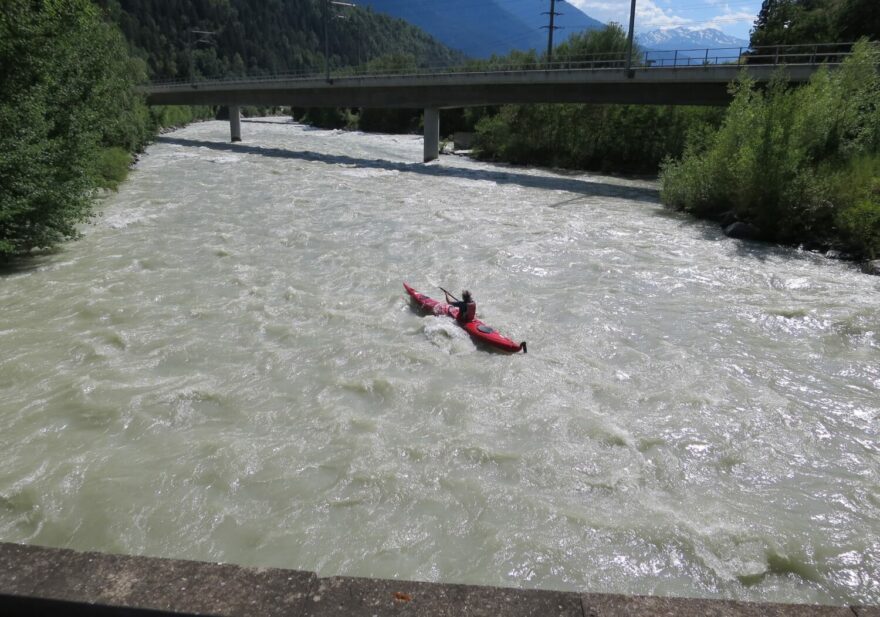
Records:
x=38, y=581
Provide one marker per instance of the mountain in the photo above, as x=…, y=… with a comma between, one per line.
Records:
x=488, y=27
x=686, y=38
x=675, y=45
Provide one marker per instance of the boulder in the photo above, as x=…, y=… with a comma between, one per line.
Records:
x=742, y=231
x=841, y=255
x=872, y=267
x=727, y=219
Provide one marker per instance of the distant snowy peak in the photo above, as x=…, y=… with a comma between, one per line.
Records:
x=687, y=38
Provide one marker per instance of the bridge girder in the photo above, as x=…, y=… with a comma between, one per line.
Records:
x=695, y=86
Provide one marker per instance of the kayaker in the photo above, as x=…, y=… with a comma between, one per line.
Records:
x=467, y=308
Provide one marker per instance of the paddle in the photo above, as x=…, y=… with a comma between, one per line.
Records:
x=450, y=295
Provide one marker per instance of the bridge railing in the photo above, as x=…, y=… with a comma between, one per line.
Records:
x=829, y=53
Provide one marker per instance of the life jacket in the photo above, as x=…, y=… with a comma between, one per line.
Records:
x=469, y=313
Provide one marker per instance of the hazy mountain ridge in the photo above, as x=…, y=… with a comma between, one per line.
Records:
x=490, y=27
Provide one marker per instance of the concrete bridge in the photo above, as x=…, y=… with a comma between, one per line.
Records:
x=674, y=78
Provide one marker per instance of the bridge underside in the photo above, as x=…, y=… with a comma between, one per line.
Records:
x=447, y=96
x=696, y=86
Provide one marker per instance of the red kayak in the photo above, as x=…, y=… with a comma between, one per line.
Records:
x=475, y=328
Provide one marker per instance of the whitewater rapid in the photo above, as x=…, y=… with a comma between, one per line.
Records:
x=226, y=367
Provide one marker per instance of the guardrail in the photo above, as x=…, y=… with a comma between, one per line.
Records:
x=787, y=55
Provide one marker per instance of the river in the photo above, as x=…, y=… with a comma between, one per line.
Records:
x=225, y=367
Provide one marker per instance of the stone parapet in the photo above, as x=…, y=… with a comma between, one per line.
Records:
x=39, y=581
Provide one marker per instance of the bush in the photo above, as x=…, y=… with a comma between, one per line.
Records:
x=858, y=188
x=791, y=161
x=860, y=225
x=112, y=166
x=177, y=115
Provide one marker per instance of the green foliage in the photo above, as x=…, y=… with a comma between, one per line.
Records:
x=629, y=138
x=860, y=225
x=799, y=163
x=858, y=18
x=792, y=22
x=326, y=117
x=857, y=187
x=177, y=115
x=112, y=166
x=259, y=37
x=389, y=120
x=66, y=91
x=609, y=40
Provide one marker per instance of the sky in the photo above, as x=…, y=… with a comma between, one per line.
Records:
x=733, y=17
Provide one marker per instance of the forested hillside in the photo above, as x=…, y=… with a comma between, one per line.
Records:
x=263, y=36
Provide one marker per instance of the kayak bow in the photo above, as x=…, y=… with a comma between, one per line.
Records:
x=475, y=328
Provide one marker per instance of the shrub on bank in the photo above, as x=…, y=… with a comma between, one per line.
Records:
x=169, y=116
x=622, y=138
x=799, y=163
x=859, y=218
x=112, y=166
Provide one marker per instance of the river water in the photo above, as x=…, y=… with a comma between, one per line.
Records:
x=226, y=368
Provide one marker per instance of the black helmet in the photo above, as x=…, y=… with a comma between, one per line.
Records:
x=466, y=295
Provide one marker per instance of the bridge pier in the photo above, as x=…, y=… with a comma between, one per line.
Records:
x=235, y=122
x=432, y=134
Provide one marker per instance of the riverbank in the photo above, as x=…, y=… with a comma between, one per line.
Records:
x=38, y=580
x=728, y=224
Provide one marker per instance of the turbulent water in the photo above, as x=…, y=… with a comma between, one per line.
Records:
x=226, y=368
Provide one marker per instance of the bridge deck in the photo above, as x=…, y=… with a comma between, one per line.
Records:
x=696, y=85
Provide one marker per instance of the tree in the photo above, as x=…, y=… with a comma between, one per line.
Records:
x=794, y=22
x=858, y=18
x=66, y=90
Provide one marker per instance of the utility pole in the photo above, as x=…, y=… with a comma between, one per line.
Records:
x=326, y=40
x=550, y=29
x=629, y=39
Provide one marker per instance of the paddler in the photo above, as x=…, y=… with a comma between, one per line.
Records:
x=467, y=308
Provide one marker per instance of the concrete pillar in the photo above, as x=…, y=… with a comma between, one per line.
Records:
x=235, y=122
x=432, y=134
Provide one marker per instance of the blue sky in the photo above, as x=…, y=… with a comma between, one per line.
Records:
x=733, y=17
